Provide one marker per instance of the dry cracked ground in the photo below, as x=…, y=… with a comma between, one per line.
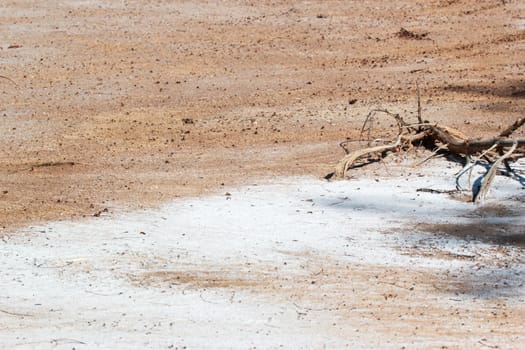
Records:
x=131, y=104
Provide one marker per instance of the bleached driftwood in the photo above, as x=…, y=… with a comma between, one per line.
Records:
x=447, y=139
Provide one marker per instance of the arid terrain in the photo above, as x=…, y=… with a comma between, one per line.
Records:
x=109, y=107
x=140, y=102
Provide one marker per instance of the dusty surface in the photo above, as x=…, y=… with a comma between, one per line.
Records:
x=123, y=105
x=297, y=263
x=155, y=100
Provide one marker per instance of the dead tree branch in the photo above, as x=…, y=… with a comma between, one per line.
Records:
x=491, y=174
x=502, y=147
x=345, y=163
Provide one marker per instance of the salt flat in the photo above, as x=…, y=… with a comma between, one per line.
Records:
x=292, y=262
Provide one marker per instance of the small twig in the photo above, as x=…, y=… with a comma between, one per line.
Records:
x=66, y=341
x=8, y=79
x=507, y=165
x=431, y=190
x=472, y=163
x=370, y=119
x=466, y=167
x=505, y=161
x=508, y=131
x=15, y=313
x=491, y=174
x=318, y=273
x=103, y=294
x=469, y=166
x=52, y=164
x=434, y=153
x=410, y=139
x=419, y=118
x=488, y=345
x=398, y=286
x=343, y=146
x=207, y=301
x=44, y=165
x=307, y=308
x=462, y=256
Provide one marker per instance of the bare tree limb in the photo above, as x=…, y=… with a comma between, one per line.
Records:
x=447, y=139
x=488, y=179
x=508, y=131
x=345, y=163
x=419, y=118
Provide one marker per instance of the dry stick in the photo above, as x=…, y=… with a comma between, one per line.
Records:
x=9, y=79
x=431, y=190
x=419, y=118
x=479, y=145
x=505, y=161
x=414, y=138
x=45, y=164
x=434, y=153
x=52, y=164
x=15, y=313
x=491, y=174
x=458, y=145
x=350, y=158
x=370, y=119
x=470, y=170
x=370, y=126
x=66, y=341
x=469, y=166
x=343, y=146
x=508, y=131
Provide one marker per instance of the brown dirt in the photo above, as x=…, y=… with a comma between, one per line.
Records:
x=146, y=101
x=413, y=306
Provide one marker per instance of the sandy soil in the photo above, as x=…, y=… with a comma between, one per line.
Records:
x=154, y=100
x=128, y=105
